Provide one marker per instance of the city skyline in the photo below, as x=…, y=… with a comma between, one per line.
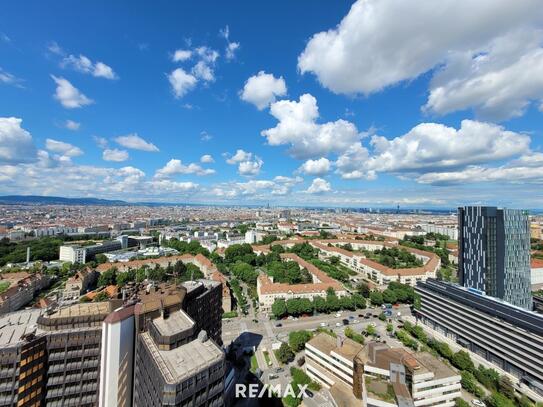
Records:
x=250, y=104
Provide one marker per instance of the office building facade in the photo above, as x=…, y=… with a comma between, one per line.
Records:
x=494, y=253
x=507, y=336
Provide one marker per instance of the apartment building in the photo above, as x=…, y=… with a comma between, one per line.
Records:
x=22, y=288
x=268, y=291
x=507, y=336
x=380, y=274
x=494, y=252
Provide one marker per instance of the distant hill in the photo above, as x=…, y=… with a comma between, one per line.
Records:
x=56, y=200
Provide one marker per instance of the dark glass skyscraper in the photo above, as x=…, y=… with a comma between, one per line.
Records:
x=494, y=252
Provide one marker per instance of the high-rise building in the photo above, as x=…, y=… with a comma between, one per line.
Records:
x=494, y=252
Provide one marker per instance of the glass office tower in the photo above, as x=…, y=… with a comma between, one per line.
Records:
x=494, y=252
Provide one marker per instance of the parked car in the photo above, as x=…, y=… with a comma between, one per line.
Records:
x=323, y=324
x=272, y=376
x=338, y=323
x=478, y=403
x=309, y=393
x=345, y=321
x=279, y=325
x=351, y=317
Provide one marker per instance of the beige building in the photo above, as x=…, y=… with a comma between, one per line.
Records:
x=268, y=291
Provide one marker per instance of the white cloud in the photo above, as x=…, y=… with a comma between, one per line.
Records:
x=174, y=167
x=298, y=128
x=315, y=167
x=16, y=145
x=115, y=155
x=203, y=71
x=181, y=82
x=351, y=163
x=205, y=136
x=207, y=159
x=68, y=95
x=207, y=54
x=430, y=145
x=231, y=47
x=319, y=186
x=248, y=163
x=181, y=55
x=100, y=141
x=466, y=39
x=135, y=142
x=84, y=64
x=72, y=125
x=9, y=79
x=498, y=84
x=162, y=186
x=262, y=89
x=62, y=148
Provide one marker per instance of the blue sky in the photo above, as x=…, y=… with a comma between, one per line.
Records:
x=292, y=103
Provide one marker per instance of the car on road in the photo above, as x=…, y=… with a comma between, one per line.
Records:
x=255, y=320
x=338, y=324
x=279, y=370
x=356, y=321
x=478, y=403
x=272, y=376
x=360, y=315
x=279, y=325
x=309, y=393
x=345, y=321
x=323, y=324
x=351, y=317
x=338, y=314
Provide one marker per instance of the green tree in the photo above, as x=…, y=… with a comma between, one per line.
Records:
x=108, y=277
x=459, y=402
x=100, y=258
x=469, y=383
x=125, y=277
x=363, y=289
x=462, y=361
x=389, y=296
x=376, y=298
x=279, y=308
x=499, y=400
x=320, y=305
x=285, y=353
x=298, y=339
x=370, y=330
x=390, y=327
x=382, y=316
x=505, y=387
x=359, y=302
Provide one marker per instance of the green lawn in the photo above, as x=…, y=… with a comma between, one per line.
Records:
x=254, y=363
x=267, y=357
x=4, y=285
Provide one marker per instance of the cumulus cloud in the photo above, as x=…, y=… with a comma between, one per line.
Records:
x=16, y=145
x=72, y=125
x=262, y=89
x=68, y=95
x=115, y=154
x=207, y=159
x=431, y=145
x=298, y=128
x=181, y=82
x=315, y=167
x=174, y=167
x=135, y=142
x=100, y=141
x=203, y=71
x=62, y=148
x=466, y=39
x=249, y=164
x=319, y=186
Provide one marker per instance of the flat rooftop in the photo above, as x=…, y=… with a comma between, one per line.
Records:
x=432, y=364
x=15, y=325
x=176, y=322
x=82, y=310
x=185, y=361
x=328, y=344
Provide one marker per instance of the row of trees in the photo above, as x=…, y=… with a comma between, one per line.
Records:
x=288, y=272
x=332, y=303
x=417, y=242
x=500, y=386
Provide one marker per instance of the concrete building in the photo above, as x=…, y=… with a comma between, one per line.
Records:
x=536, y=276
x=376, y=375
x=81, y=254
x=494, y=252
x=507, y=336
